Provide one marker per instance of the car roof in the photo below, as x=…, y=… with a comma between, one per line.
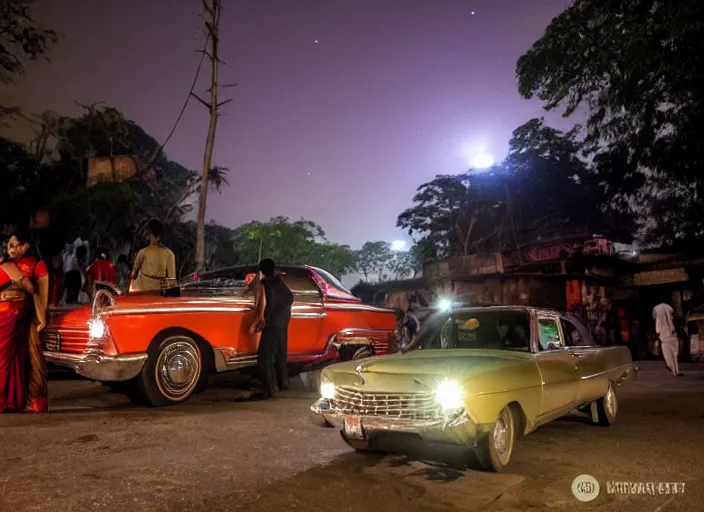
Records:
x=539, y=311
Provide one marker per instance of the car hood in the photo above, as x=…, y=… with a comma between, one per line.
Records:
x=421, y=369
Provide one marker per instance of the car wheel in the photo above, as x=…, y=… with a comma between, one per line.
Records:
x=494, y=451
x=172, y=372
x=360, y=445
x=607, y=407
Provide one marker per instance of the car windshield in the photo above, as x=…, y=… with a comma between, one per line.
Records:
x=477, y=329
x=216, y=286
x=331, y=280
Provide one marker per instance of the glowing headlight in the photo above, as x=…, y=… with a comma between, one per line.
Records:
x=97, y=329
x=327, y=390
x=445, y=305
x=449, y=395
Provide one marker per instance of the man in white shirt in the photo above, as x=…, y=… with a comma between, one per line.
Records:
x=665, y=328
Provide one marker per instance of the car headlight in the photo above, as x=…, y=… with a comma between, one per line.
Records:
x=449, y=395
x=327, y=390
x=97, y=329
x=445, y=305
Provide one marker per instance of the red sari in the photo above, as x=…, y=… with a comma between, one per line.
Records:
x=16, y=314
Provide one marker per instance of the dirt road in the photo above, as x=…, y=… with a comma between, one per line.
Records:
x=95, y=451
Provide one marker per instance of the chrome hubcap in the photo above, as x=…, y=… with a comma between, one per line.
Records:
x=610, y=403
x=503, y=437
x=178, y=368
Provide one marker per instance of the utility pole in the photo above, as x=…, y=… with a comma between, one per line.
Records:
x=212, y=11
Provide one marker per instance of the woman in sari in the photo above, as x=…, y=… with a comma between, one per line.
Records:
x=24, y=293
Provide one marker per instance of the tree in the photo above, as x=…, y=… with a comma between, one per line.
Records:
x=374, y=258
x=542, y=189
x=213, y=12
x=301, y=242
x=456, y=214
x=181, y=239
x=636, y=67
x=112, y=213
x=20, y=175
x=551, y=191
x=21, y=39
x=402, y=265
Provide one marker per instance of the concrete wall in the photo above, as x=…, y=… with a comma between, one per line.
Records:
x=513, y=291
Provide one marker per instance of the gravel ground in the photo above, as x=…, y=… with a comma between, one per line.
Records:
x=95, y=451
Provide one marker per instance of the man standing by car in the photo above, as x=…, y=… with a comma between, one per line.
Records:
x=272, y=320
x=665, y=329
x=155, y=265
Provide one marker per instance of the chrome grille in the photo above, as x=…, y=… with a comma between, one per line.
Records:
x=68, y=340
x=411, y=406
x=52, y=340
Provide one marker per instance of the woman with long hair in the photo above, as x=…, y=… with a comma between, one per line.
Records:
x=24, y=293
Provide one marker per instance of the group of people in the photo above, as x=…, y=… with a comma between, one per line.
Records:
x=74, y=275
x=27, y=288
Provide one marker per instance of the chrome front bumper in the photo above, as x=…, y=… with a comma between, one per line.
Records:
x=457, y=429
x=100, y=367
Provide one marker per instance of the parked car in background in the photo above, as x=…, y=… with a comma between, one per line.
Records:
x=480, y=378
x=160, y=348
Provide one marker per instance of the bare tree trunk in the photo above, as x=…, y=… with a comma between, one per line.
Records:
x=213, y=10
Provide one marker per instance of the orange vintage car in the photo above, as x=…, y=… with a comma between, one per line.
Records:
x=160, y=349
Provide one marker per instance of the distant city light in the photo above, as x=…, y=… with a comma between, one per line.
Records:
x=398, y=245
x=482, y=161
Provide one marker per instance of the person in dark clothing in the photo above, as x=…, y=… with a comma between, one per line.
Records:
x=75, y=277
x=272, y=320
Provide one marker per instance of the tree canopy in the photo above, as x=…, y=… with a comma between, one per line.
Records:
x=21, y=39
x=636, y=67
x=542, y=189
x=374, y=259
x=293, y=243
x=52, y=174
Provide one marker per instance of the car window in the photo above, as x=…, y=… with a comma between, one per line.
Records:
x=215, y=287
x=549, y=334
x=301, y=284
x=331, y=280
x=303, y=287
x=572, y=336
x=493, y=330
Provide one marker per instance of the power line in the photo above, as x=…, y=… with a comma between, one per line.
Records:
x=190, y=93
x=160, y=148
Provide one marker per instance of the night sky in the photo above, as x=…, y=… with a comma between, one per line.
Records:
x=343, y=106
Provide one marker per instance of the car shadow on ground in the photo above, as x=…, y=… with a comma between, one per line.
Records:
x=438, y=463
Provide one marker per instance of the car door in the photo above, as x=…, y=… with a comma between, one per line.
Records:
x=586, y=355
x=558, y=368
x=307, y=315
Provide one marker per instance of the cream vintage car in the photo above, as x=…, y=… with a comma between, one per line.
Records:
x=478, y=379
